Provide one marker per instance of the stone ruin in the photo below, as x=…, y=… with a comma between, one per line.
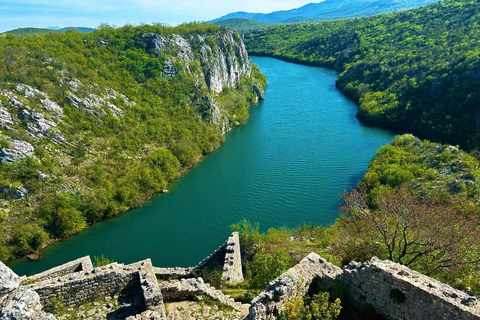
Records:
x=75, y=282
x=393, y=290
x=375, y=283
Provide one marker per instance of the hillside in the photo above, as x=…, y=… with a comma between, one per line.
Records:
x=330, y=9
x=27, y=31
x=417, y=70
x=94, y=124
x=240, y=24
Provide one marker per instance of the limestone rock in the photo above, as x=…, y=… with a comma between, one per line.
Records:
x=25, y=305
x=18, y=150
x=5, y=118
x=15, y=193
x=9, y=281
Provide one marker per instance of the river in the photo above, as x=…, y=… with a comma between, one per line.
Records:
x=301, y=148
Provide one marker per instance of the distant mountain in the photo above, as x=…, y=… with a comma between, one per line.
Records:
x=330, y=9
x=26, y=31
x=240, y=24
x=79, y=29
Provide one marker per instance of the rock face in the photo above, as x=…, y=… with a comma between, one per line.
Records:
x=18, y=303
x=9, y=281
x=25, y=305
x=224, y=60
x=18, y=150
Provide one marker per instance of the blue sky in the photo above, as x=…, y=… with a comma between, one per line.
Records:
x=90, y=13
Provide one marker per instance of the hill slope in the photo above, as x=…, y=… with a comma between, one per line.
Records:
x=27, y=31
x=240, y=24
x=418, y=69
x=330, y=9
x=93, y=124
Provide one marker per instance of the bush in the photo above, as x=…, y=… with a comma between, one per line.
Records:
x=318, y=308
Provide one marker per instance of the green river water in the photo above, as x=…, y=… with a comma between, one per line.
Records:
x=301, y=148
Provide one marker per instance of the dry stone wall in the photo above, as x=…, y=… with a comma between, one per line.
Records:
x=151, y=292
x=77, y=287
x=81, y=264
x=397, y=292
x=295, y=282
x=394, y=291
x=188, y=289
x=172, y=273
x=232, y=266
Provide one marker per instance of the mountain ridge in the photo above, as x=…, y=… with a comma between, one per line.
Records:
x=329, y=9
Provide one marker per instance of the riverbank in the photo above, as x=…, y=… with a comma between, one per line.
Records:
x=289, y=164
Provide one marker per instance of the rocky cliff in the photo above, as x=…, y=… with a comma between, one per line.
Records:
x=91, y=125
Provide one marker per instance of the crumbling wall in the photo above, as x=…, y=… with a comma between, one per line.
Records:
x=151, y=291
x=77, y=287
x=81, y=264
x=189, y=289
x=295, y=282
x=232, y=266
x=397, y=292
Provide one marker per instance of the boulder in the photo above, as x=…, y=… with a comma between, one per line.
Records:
x=25, y=305
x=9, y=281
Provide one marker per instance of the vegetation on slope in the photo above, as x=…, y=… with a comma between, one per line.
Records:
x=107, y=126
x=418, y=69
x=240, y=24
x=27, y=31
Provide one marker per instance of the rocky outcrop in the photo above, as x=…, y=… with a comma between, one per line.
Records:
x=6, y=119
x=225, y=65
x=47, y=104
x=18, y=303
x=9, y=281
x=224, y=59
x=16, y=151
x=25, y=305
x=15, y=192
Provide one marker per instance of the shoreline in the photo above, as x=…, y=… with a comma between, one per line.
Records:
x=36, y=256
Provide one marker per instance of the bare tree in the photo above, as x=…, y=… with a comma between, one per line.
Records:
x=430, y=233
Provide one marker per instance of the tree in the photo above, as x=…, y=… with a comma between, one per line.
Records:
x=428, y=233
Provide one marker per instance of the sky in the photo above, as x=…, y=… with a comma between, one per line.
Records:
x=91, y=13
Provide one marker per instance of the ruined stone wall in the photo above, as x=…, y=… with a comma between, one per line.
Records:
x=232, y=266
x=385, y=284
x=75, y=288
x=215, y=260
x=172, y=273
x=294, y=282
x=394, y=291
x=82, y=264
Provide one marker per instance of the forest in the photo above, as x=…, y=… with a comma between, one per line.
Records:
x=106, y=125
x=417, y=70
